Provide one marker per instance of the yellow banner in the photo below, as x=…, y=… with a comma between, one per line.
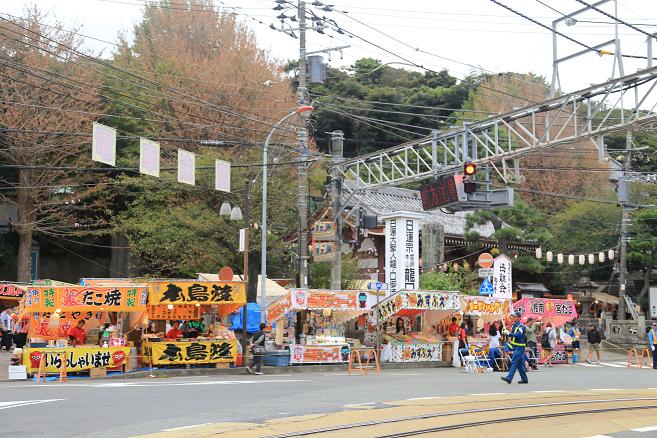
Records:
x=179, y=311
x=77, y=358
x=171, y=353
x=82, y=298
x=201, y=292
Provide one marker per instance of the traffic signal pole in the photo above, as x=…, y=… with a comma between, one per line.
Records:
x=337, y=138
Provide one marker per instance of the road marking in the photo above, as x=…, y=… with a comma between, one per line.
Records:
x=355, y=405
x=17, y=404
x=488, y=393
x=613, y=365
x=607, y=389
x=600, y=436
x=645, y=429
x=588, y=365
x=160, y=383
x=185, y=427
x=422, y=398
x=551, y=390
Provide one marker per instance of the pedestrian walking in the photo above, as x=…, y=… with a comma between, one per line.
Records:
x=652, y=340
x=7, y=327
x=532, y=341
x=549, y=343
x=594, y=339
x=518, y=340
x=257, y=347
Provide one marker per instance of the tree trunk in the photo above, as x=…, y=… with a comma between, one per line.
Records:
x=646, y=284
x=24, y=226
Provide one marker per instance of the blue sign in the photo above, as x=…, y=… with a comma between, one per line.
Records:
x=486, y=287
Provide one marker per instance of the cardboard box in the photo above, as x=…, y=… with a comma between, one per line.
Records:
x=17, y=372
x=96, y=373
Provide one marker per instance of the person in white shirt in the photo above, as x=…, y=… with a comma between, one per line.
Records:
x=494, y=351
x=6, y=326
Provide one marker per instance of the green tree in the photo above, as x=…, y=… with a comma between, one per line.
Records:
x=460, y=279
x=320, y=273
x=642, y=248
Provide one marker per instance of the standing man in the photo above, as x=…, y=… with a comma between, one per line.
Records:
x=6, y=326
x=532, y=342
x=518, y=341
x=258, y=347
x=594, y=342
x=652, y=340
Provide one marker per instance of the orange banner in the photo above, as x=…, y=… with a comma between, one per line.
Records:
x=317, y=354
x=81, y=298
x=279, y=308
x=39, y=324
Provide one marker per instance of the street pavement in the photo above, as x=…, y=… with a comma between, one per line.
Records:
x=116, y=408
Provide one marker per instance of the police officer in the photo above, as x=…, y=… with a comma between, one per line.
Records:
x=518, y=340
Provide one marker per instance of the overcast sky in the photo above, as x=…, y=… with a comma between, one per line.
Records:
x=471, y=34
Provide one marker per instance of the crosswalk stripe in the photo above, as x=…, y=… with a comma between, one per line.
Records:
x=613, y=365
x=645, y=429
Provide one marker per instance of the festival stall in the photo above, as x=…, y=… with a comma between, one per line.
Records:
x=11, y=294
x=481, y=312
x=53, y=311
x=548, y=310
x=322, y=337
x=410, y=321
x=188, y=300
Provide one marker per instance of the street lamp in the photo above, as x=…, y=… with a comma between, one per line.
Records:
x=265, y=162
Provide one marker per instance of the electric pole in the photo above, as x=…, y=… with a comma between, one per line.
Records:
x=302, y=200
x=623, y=200
x=337, y=139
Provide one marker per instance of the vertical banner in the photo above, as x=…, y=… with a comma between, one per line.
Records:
x=186, y=167
x=222, y=176
x=502, y=277
x=402, y=251
x=149, y=157
x=103, y=147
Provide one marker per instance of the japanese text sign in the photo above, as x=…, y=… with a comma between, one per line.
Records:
x=317, y=354
x=416, y=300
x=557, y=311
x=8, y=290
x=39, y=324
x=402, y=256
x=80, y=298
x=417, y=353
x=481, y=306
x=166, y=353
x=179, y=312
x=201, y=292
x=502, y=277
x=77, y=358
x=279, y=308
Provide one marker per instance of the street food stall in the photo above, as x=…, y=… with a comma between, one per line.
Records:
x=54, y=311
x=548, y=310
x=322, y=329
x=188, y=300
x=481, y=312
x=11, y=294
x=410, y=323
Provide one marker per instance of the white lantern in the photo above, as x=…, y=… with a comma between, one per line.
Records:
x=548, y=256
x=610, y=254
x=560, y=258
x=582, y=259
x=591, y=259
x=601, y=257
x=539, y=253
x=571, y=259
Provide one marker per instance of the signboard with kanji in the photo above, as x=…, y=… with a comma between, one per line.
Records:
x=82, y=298
x=170, y=353
x=201, y=292
x=502, y=277
x=439, y=193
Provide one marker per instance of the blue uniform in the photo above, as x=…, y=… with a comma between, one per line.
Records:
x=518, y=341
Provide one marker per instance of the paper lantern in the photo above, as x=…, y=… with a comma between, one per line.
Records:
x=170, y=306
x=54, y=320
x=582, y=259
x=571, y=259
x=548, y=256
x=610, y=254
x=539, y=253
x=560, y=258
x=591, y=259
x=601, y=257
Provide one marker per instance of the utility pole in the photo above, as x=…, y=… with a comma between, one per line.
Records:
x=623, y=201
x=245, y=275
x=337, y=139
x=302, y=200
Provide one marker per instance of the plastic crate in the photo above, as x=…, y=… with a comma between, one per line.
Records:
x=277, y=359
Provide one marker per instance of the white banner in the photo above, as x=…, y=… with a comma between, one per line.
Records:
x=502, y=277
x=402, y=252
x=417, y=353
x=222, y=176
x=186, y=167
x=103, y=147
x=149, y=157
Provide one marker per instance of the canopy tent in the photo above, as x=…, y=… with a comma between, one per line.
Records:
x=558, y=312
x=351, y=303
x=411, y=303
x=274, y=290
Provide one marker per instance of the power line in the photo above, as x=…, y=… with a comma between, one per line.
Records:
x=631, y=26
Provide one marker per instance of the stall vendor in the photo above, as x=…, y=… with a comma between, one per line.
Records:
x=175, y=331
x=453, y=328
x=76, y=335
x=195, y=328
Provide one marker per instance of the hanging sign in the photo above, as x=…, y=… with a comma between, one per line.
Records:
x=202, y=292
x=222, y=176
x=103, y=146
x=323, y=251
x=502, y=277
x=149, y=157
x=186, y=167
x=324, y=230
x=81, y=298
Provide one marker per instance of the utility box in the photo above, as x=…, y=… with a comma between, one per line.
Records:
x=316, y=69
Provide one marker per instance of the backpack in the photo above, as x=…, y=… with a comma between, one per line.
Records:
x=545, y=340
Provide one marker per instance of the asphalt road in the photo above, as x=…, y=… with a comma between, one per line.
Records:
x=116, y=408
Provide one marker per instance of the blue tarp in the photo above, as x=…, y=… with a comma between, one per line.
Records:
x=252, y=318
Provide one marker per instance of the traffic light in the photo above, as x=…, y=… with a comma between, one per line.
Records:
x=469, y=169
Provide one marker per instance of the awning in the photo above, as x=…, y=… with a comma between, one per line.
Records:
x=350, y=302
x=413, y=302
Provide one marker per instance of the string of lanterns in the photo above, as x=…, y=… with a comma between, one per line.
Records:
x=581, y=258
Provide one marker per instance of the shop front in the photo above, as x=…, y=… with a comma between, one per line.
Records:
x=316, y=318
x=410, y=324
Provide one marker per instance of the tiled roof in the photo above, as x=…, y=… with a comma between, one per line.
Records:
x=390, y=200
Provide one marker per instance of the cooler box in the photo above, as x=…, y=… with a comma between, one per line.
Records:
x=277, y=358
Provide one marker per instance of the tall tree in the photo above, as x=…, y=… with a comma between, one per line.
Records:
x=39, y=83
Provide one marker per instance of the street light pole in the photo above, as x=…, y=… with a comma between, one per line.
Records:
x=265, y=175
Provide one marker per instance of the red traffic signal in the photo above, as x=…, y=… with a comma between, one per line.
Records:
x=469, y=169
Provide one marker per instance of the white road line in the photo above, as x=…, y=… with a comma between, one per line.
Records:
x=550, y=390
x=353, y=405
x=488, y=393
x=600, y=436
x=422, y=398
x=154, y=384
x=645, y=429
x=607, y=389
x=185, y=427
x=613, y=365
x=17, y=404
x=588, y=365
